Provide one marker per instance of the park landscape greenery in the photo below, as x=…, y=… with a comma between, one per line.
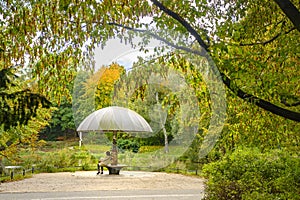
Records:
x=254, y=46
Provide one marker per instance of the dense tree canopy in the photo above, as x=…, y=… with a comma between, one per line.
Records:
x=54, y=37
x=253, y=44
x=252, y=47
x=23, y=113
x=17, y=102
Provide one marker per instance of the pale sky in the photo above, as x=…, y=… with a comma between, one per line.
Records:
x=115, y=51
x=125, y=55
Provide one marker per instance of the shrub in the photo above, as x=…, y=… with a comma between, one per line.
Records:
x=131, y=145
x=66, y=160
x=250, y=174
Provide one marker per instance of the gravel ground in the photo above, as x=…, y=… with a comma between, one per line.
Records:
x=88, y=180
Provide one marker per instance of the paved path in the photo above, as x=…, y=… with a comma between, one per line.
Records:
x=86, y=185
x=104, y=194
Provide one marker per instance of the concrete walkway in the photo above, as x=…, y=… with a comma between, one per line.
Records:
x=89, y=181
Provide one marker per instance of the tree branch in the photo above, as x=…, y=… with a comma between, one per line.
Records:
x=201, y=53
x=295, y=99
x=295, y=116
x=290, y=104
x=184, y=23
x=268, y=41
x=290, y=11
x=260, y=102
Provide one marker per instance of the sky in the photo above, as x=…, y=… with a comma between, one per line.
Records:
x=125, y=55
x=118, y=52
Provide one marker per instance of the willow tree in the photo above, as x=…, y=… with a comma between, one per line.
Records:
x=168, y=95
x=53, y=38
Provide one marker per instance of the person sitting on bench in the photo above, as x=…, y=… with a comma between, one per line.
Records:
x=103, y=162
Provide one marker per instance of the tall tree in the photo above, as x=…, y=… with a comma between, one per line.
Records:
x=57, y=36
x=61, y=126
x=94, y=90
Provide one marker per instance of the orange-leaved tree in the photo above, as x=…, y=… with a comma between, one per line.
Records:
x=104, y=91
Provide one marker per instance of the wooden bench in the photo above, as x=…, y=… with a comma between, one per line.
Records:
x=114, y=169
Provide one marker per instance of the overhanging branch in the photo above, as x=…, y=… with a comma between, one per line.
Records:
x=260, y=102
x=201, y=53
x=295, y=116
x=183, y=22
x=290, y=11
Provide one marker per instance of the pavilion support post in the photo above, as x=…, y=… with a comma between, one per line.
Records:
x=80, y=139
x=114, y=149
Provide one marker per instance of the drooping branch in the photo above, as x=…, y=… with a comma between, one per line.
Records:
x=260, y=102
x=290, y=11
x=183, y=22
x=20, y=106
x=147, y=32
x=228, y=82
x=295, y=116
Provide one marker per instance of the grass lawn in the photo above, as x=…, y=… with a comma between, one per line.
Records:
x=54, y=156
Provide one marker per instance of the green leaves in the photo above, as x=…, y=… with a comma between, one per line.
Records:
x=252, y=43
x=17, y=106
x=250, y=174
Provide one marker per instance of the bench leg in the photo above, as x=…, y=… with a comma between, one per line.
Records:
x=114, y=170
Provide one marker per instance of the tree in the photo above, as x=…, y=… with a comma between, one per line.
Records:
x=109, y=76
x=52, y=32
x=17, y=137
x=17, y=103
x=227, y=81
x=82, y=105
x=167, y=95
x=23, y=113
x=61, y=125
x=94, y=90
x=254, y=45
x=83, y=95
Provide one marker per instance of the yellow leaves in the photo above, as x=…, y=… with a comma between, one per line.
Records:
x=111, y=73
x=107, y=76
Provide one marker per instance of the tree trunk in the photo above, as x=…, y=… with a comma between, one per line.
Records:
x=2, y=167
x=162, y=124
x=290, y=11
x=114, y=150
x=166, y=140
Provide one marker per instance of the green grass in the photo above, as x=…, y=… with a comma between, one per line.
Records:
x=17, y=177
x=96, y=149
x=155, y=160
x=68, y=156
